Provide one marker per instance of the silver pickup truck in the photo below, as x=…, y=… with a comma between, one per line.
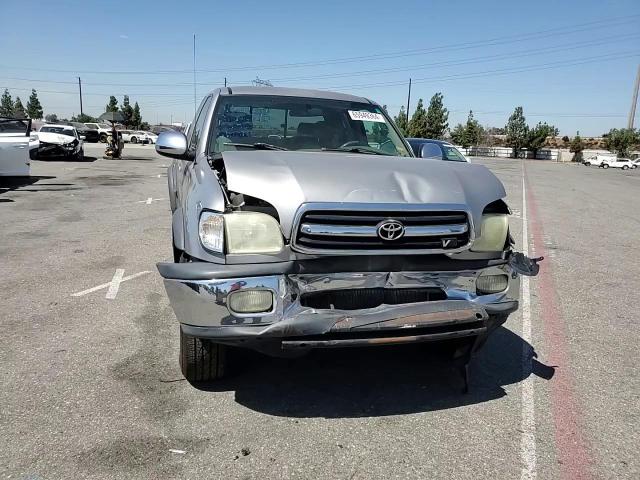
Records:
x=301, y=219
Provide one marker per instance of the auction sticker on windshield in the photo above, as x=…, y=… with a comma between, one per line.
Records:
x=368, y=116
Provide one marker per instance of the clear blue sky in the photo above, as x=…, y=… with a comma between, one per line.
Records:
x=570, y=63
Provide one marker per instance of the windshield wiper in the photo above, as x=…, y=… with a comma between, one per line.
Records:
x=368, y=150
x=256, y=146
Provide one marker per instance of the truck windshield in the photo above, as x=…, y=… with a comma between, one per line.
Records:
x=294, y=123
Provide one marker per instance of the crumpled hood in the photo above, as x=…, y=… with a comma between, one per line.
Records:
x=287, y=179
x=56, y=138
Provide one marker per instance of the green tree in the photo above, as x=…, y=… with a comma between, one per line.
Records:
x=418, y=124
x=537, y=136
x=437, y=119
x=34, y=109
x=127, y=111
x=576, y=147
x=458, y=135
x=52, y=118
x=18, y=109
x=112, y=106
x=145, y=126
x=473, y=131
x=621, y=140
x=517, y=131
x=380, y=132
x=136, y=117
x=83, y=118
x=6, y=104
x=401, y=121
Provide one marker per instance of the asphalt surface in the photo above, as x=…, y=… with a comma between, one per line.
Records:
x=91, y=386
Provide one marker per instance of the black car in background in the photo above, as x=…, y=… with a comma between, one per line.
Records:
x=91, y=136
x=436, y=150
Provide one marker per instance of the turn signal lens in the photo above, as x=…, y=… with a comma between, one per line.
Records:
x=211, y=230
x=491, y=283
x=251, y=301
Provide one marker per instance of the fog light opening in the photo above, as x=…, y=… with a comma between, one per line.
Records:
x=486, y=284
x=250, y=301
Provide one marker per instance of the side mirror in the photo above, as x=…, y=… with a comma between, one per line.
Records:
x=172, y=144
x=431, y=151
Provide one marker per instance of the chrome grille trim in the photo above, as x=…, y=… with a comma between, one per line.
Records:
x=372, y=232
x=354, y=228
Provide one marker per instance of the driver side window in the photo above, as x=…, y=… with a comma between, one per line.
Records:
x=196, y=129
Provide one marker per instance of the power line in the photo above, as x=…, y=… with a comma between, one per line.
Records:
x=486, y=73
x=505, y=71
x=466, y=61
x=559, y=31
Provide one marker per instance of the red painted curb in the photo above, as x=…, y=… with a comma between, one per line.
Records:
x=571, y=443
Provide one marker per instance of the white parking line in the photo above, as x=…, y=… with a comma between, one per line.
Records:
x=115, y=284
x=528, y=423
x=115, y=281
x=150, y=200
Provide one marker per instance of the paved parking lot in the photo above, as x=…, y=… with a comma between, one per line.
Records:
x=91, y=386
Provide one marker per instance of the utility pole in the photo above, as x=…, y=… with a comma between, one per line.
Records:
x=194, y=75
x=80, y=87
x=634, y=100
x=225, y=82
x=408, y=100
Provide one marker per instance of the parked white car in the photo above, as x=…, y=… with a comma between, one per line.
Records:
x=16, y=143
x=60, y=141
x=623, y=163
x=598, y=160
x=149, y=136
x=104, y=129
x=133, y=136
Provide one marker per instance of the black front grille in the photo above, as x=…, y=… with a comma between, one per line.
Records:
x=357, y=298
x=372, y=219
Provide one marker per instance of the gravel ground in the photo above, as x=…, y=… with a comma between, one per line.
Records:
x=91, y=386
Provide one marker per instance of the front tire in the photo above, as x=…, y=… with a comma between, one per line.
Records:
x=201, y=360
x=624, y=167
x=103, y=138
x=588, y=164
x=605, y=165
x=134, y=139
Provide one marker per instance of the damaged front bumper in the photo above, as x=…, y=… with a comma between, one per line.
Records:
x=319, y=310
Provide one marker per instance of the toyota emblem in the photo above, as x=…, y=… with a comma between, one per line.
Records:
x=390, y=230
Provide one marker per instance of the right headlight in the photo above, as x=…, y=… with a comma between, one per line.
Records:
x=241, y=232
x=493, y=233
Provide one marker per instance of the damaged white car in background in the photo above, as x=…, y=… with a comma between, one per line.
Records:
x=60, y=141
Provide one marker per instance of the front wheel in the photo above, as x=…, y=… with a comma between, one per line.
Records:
x=201, y=360
x=103, y=137
x=134, y=139
x=624, y=167
x=605, y=165
x=588, y=164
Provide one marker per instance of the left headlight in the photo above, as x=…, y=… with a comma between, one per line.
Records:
x=493, y=233
x=211, y=231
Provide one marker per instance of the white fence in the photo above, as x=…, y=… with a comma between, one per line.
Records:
x=506, y=152
x=552, y=154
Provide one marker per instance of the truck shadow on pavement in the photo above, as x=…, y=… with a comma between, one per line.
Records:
x=376, y=381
